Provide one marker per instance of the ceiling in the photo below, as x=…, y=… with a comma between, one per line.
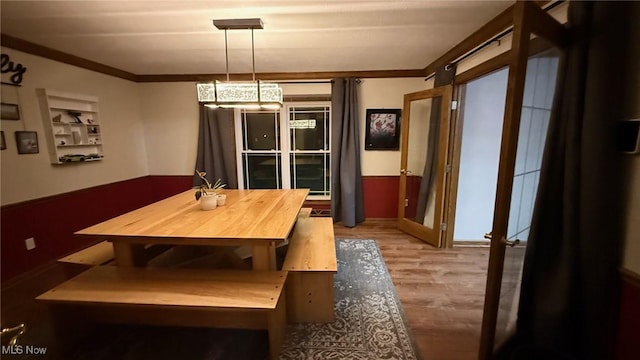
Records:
x=178, y=37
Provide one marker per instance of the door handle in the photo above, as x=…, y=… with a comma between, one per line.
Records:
x=405, y=171
x=509, y=243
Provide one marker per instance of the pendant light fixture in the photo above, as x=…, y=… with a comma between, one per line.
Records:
x=253, y=94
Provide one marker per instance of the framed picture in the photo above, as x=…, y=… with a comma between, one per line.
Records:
x=27, y=142
x=3, y=142
x=383, y=129
x=9, y=111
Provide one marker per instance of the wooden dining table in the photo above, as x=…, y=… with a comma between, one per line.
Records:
x=259, y=218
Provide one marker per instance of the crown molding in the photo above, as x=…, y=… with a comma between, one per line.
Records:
x=56, y=55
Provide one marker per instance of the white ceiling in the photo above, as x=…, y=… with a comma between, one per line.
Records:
x=178, y=37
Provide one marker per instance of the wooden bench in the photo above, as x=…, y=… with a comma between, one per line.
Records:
x=94, y=255
x=101, y=253
x=305, y=213
x=98, y=254
x=170, y=297
x=311, y=263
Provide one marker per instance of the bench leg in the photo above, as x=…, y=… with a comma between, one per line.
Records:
x=310, y=296
x=68, y=327
x=277, y=324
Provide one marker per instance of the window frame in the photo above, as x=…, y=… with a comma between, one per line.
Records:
x=285, y=150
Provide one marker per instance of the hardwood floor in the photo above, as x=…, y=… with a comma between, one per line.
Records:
x=441, y=290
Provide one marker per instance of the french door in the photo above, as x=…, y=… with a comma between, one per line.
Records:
x=501, y=295
x=425, y=140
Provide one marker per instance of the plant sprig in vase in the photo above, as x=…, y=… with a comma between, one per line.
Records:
x=206, y=188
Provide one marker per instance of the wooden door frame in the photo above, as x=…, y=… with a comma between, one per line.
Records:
x=415, y=229
x=528, y=19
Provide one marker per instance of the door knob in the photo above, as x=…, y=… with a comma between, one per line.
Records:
x=510, y=243
x=488, y=236
x=404, y=171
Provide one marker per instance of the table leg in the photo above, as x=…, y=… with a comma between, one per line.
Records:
x=264, y=256
x=129, y=254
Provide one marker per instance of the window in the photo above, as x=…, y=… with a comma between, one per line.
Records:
x=285, y=149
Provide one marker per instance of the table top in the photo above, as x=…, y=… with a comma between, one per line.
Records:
x=248, y=215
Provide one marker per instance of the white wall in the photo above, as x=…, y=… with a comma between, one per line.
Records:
x=384, y=94
x=32, y=176
x=170, y=117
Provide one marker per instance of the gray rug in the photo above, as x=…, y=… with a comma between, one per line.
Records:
x=369, y=324
x=369, y=320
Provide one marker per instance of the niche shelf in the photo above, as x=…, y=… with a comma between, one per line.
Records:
x=71, y=125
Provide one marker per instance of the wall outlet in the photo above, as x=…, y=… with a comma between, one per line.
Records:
x=30, y=243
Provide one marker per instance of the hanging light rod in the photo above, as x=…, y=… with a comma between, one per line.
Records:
x=239, y=94
x=238, y=24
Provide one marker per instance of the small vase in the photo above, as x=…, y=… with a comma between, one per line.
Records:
x=222, y=199
x=208, y=201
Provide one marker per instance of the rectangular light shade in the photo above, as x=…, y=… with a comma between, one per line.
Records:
x=222, y=93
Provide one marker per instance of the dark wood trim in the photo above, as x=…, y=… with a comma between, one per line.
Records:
x=630, y=277
x=52, y=54
x=493, y=27
x=545, y=26
x=283, y=76
x=457, y=121
x=509, y=144
x=536, y=46
x=306, y=98
x=56, y=55
x=484, y=68
x=503, y=21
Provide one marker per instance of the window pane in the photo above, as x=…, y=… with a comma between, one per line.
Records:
x=262, y=171
x=310, y=171
x=261, y=131
x=309, y=128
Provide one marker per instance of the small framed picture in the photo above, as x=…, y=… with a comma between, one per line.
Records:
x=3, y=142
x=27, y=142
x=383, y=129
x=9, y=111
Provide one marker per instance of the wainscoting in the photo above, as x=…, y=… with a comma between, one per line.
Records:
x=52, y=220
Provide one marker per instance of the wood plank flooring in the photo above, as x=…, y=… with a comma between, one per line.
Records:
x=441, y=290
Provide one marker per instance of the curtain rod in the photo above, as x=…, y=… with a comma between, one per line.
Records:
x=306, y=82
x=358, y=81
x=490, y=41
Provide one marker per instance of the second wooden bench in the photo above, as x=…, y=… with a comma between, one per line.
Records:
x=311, y=263
x=170, y=297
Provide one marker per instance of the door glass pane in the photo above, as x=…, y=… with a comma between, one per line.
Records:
x=420, y=192
x=262, y=171
x=482, y=117
x=536, y=110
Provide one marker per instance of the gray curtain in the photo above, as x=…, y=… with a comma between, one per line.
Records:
x=568, y=301
x=442, y=77
x=217, y=147
x=347, y=203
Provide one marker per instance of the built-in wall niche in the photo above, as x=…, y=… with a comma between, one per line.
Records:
x=72, y=126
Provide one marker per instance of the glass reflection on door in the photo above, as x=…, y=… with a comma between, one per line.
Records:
x=539, y=90
x=415, y=210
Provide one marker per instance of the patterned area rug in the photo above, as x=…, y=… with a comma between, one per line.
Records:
x=369, y=320
x=369, y=324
